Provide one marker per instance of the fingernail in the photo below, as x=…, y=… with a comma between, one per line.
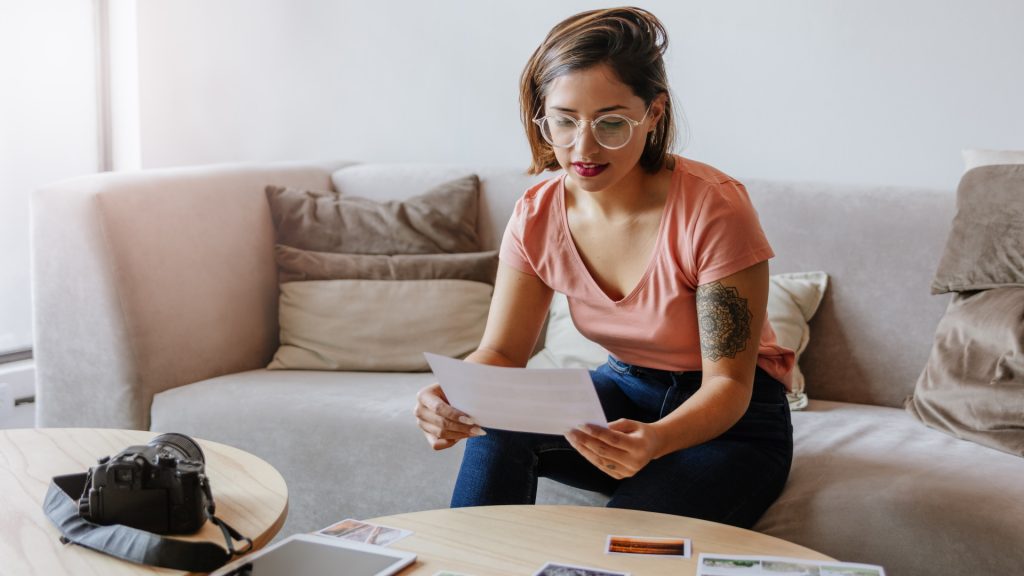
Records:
x=583, y=428
x=467, y=420
x=477, y=431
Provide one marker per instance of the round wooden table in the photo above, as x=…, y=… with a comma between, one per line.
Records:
x=250, y=495
x=518, y=540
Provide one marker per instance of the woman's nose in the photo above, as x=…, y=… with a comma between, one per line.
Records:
x=586, y=144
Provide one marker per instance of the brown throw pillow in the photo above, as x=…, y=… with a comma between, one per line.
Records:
x=973, y=384
x=441, y=220
x=985, y=248
x=297, y=265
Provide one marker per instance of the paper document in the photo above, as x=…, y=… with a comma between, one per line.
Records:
x=545, y=401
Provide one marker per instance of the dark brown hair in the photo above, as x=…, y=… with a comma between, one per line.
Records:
x=631, y=41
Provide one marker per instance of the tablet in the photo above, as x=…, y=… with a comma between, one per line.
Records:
x=309, y=554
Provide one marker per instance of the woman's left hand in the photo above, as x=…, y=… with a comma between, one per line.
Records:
x=620, y=450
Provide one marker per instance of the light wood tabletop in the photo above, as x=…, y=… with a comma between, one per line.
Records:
x=518, y=540
x=249, y=493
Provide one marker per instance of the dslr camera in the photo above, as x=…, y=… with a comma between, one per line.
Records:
x=160, y=487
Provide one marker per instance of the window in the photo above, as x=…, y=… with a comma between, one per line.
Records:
x=48, y=131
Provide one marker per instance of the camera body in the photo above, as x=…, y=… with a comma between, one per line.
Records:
x=160, y=487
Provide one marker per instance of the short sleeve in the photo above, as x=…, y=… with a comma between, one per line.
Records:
x=727, y=235
x=512, y=251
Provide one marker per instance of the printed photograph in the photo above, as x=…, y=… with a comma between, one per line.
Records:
x=790, y=568
x=552, y=569
x=854, y=570
x=725, y=566
x=645, y=545
x=364, y=532
x=713, y=565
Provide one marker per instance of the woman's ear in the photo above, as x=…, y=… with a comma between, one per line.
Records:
x=657, y=110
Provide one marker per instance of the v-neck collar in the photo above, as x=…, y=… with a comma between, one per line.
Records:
x=658, y=243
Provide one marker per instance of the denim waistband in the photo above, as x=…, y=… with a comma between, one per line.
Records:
x=688, y=377
x=634, y=370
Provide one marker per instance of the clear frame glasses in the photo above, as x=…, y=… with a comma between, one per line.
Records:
x=612, y=131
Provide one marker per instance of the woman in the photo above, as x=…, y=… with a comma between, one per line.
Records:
x=664, y=263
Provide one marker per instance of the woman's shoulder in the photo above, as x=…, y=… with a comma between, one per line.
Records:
x=539, y=196
x=700, y=171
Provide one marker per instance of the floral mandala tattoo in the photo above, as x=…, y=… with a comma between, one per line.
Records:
x=724, y=321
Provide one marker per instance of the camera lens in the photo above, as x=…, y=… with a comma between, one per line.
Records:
x=179, y=445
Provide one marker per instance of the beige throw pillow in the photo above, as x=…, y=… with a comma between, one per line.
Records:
x=378, y=325
x=973, y=384
x=792, y=301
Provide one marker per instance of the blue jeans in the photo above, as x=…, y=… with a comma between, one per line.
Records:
x=731, y=479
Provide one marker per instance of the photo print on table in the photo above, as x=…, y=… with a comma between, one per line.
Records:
x=359, y=531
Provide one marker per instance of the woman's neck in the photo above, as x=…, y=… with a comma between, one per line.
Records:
x=634, y=193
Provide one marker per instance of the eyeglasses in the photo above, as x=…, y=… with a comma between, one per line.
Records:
x=613, y=131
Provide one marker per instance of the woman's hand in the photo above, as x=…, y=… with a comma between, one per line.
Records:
x=620, y=450
x=443, y=425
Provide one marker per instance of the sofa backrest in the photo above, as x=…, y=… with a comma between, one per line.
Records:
x=148, y=280
x=880, y=246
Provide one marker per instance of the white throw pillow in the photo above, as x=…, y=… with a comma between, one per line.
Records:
x=378, y=325
x=981, y=157
x=792, y=301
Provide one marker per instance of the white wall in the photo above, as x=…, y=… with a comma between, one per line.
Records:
x=874, y=91
x=48, y=110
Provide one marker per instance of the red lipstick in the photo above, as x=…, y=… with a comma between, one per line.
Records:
x=588, y=170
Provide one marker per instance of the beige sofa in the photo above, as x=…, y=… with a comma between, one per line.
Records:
x=155, y=307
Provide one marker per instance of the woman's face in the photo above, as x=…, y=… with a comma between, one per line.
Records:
x=589, y=94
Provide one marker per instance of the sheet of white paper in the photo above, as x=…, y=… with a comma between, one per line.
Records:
x=545, y=401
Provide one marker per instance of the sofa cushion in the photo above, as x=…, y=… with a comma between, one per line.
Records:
x=382, y=325
x=792, y=301
x=942, y=502
x=297, y=265
x=985, y=248
x=346, y=442
x=973, y=384
x=443, y=219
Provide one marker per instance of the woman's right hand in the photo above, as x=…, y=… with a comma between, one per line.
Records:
x=443, y=425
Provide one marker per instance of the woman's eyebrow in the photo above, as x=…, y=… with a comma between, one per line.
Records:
x=607, y=109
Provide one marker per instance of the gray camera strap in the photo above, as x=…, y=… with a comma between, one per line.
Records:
x=132, y=544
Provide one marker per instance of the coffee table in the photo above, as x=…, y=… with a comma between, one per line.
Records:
x=518, y=540
x=250, y=495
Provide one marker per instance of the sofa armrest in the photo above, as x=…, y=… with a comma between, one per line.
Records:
x=145, y=281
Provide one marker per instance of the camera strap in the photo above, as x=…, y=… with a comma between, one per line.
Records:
x=132, y=544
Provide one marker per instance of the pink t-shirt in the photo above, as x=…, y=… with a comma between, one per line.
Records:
x=709, y=230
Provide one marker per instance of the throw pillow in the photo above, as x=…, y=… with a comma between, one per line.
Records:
x=972, y=386
x=444, y=219
x=979, y=157
x=985, y=248
x=294, y=265
x=369, y=285
x=792, y=301
x=378, y=325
